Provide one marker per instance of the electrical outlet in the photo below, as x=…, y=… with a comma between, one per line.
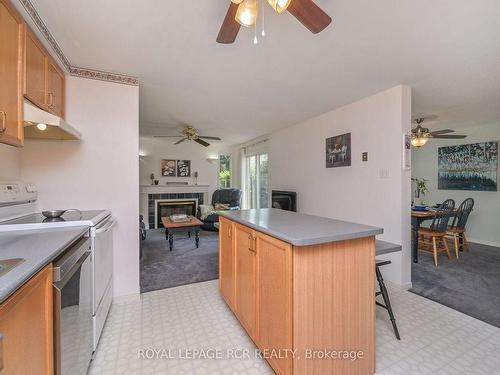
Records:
x=364, y=156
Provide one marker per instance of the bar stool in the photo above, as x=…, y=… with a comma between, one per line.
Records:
x=385, y=295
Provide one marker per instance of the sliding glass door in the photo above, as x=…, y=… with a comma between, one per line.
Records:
x=257, y=184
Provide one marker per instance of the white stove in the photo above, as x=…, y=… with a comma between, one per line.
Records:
x=18, y=212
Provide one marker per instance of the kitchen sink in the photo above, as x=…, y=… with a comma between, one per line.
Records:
x=7, y=265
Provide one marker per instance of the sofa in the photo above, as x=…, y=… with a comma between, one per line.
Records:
x=228, y=197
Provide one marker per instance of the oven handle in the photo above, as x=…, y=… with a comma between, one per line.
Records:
x=62, y=283
x=107, y=226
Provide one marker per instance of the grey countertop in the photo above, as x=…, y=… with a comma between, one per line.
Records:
x=37, y=247
x=300, y=229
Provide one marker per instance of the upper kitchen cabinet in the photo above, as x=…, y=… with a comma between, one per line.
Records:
x=35, y=75
x=43, y=79
x=11, y=77
x=55, y=89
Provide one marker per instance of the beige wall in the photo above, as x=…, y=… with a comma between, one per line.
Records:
x=100, y=171
x=9, y=163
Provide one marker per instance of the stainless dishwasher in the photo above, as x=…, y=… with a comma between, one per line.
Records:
x=72, y=281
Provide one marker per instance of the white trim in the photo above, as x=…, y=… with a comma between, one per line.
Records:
x=482, y=242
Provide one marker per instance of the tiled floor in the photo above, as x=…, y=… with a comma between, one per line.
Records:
x=435, y=339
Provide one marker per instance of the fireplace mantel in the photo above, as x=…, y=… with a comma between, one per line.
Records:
x=152, y=193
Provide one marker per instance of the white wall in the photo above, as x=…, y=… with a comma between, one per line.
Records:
x=357, y=193
x=483, y=223
x=9, y=163
x=154, y=149
x=100, y=171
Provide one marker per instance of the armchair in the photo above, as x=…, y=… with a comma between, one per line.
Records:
x=229, y=197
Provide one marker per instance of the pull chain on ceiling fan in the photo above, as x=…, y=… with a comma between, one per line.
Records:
x=245, y=13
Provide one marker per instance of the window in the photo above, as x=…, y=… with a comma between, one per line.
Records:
x=257, y=185
x=225, y=171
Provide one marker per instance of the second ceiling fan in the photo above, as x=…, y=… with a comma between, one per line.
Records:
x=244, y=13
x=190, y=134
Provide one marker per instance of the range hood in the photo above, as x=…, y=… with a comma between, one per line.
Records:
x=56, y=128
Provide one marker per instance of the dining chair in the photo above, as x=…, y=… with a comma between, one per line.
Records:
x=436, y=232
x=457, y=227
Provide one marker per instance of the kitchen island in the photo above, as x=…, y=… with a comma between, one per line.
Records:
x=303, y=288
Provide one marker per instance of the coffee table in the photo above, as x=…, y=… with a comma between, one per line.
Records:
x=183, y=227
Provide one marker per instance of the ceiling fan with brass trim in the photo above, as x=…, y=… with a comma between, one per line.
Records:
x=190, y=134
x=420, y=135
x=245, y=12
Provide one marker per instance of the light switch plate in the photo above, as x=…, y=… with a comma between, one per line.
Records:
x=384, y=173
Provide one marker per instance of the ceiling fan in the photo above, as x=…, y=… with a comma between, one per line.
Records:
x=420, y=135
x=245, y=12
x=190, y=134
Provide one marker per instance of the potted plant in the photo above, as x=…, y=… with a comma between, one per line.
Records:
x=420, y=189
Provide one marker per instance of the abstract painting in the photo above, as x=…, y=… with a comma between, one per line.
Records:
x=168, y=167
x=338, y=151
x=468, y=167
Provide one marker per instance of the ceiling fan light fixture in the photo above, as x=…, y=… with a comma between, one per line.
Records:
x=419, y=141
x=247, y=13
x=279, y=5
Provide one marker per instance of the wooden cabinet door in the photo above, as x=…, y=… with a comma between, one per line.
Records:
x=35, y=71
x=245, y=283
x=274, y=300
x=11, y=62
x=55, y=89
x=26, y=327
x=226, y=261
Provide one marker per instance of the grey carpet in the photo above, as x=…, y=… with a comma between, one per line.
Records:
x=470, y=284
x=161, y=268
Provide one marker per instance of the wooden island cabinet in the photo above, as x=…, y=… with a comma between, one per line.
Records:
x=302, y=299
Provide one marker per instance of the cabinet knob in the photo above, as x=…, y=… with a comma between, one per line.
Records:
x=4, y=122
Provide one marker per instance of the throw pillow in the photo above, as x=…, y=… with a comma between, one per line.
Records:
x=205, y=210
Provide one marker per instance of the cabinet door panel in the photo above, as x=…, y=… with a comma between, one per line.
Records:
x=26, y=326
x=245, y=277
x=274, y=300
x=35, y=71
x=11, y=121
x=55, y=89
x=226, y=261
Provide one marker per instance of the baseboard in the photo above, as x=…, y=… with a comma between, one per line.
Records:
x=482, y=242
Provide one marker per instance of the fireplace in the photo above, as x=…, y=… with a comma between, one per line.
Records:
x=284, y=200
x=174, y=206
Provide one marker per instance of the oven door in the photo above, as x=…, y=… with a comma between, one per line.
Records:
x=102, y=252
x=73, y=319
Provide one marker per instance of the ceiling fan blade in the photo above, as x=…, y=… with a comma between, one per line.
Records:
x=207, y=137
x=202, y=142
x=230, y=28
x=310, y=15
x=449, y=136
x=180, y=141
x=444, y=131
x=168, y=136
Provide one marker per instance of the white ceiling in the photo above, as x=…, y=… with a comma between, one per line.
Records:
x=447, y=50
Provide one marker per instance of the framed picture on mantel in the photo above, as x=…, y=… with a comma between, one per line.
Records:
x=183, y=168
x=168, y=168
